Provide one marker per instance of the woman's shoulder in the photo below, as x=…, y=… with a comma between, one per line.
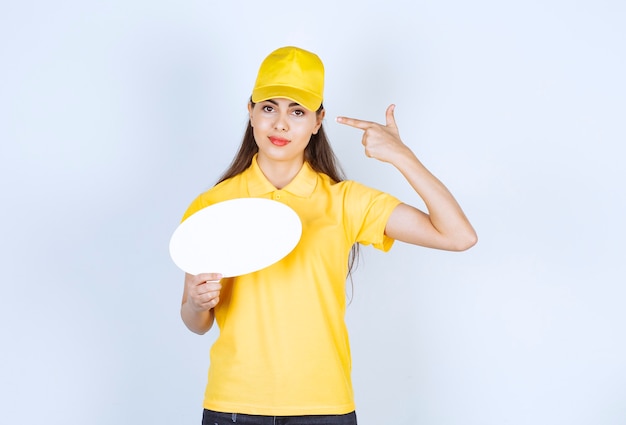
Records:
x=350, y=191
x=226, y=189
x=360, y=195
x=222, y=191
x=327, y=182
x=345, y=185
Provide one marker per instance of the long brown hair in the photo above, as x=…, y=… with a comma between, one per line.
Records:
x=318, y=154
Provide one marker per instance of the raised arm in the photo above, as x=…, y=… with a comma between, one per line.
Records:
x=445, y=226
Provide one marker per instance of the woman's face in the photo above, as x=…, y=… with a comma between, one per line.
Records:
x=282, y=128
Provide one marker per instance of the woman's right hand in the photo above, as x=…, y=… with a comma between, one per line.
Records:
x=202, y=291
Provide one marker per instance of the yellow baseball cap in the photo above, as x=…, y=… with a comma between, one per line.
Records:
x=292, y=73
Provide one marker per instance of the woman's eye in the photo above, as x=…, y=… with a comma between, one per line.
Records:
x=267, y=108
x=298, y=112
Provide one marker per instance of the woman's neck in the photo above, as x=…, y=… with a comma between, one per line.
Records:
x=279, y=173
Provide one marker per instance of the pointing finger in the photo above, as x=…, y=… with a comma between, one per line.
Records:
x=353, y=122
x=391, y=120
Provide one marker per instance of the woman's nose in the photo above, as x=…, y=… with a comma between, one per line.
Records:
x=281, y=123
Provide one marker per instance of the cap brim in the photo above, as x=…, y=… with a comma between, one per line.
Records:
x=307, y=99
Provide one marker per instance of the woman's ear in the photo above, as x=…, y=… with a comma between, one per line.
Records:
x=320, y=118
x=250, y=108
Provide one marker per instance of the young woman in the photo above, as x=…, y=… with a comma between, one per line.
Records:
x=282, y=354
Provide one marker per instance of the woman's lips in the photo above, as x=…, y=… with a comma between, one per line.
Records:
x=278, y=141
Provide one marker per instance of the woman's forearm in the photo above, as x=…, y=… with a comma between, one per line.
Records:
x=196, y=321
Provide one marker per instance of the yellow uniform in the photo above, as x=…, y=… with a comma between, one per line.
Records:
x=283, y=346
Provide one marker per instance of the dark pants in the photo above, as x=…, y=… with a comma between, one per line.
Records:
x=210, y=417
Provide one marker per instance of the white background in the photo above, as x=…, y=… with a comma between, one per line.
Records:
x=115, y=115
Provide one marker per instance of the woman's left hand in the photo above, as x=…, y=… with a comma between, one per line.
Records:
x=445, y=225
x=381, y=142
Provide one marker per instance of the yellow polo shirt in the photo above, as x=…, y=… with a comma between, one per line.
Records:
x=283, y=347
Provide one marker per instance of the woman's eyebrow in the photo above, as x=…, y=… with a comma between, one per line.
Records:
x=273, y=102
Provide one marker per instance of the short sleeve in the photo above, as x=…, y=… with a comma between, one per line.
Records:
x=367, y=211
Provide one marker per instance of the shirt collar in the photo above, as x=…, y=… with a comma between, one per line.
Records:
x=302, y=184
